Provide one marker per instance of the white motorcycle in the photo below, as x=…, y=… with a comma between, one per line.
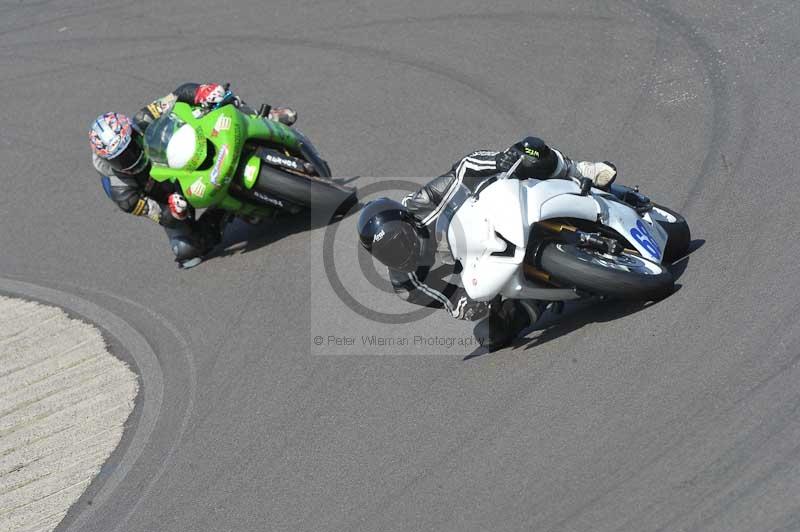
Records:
x=559, y=240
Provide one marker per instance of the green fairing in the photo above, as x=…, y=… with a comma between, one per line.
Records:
x=227, y=129
x=251, y=170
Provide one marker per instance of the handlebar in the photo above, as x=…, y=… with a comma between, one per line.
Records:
x=513, y=168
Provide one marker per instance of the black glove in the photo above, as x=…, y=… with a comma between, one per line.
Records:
x=531, y=149
x=506, y=159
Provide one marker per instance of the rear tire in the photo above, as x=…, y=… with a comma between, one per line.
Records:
x=624, y=276
x=315, y=193
x=679, y=235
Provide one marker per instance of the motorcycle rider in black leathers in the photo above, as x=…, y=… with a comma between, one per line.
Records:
x=124, y=167
x=402, y=236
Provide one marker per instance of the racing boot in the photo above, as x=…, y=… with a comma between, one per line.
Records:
x=210, y=227
x=505, y=321
x=602, y=174
x=190, y=246
x=285, y=115
x=188, y=251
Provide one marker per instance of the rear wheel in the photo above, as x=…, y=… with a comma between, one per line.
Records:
x=623, y=276
x=316, y=193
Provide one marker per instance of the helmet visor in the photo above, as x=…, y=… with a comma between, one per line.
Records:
x=400, y=250
x=132, y=160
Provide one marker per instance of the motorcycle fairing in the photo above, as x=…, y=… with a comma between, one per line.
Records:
x=560, y=198
x=483, y=229
x=487, y=235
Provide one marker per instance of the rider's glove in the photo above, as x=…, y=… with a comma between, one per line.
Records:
x=602, y=174
x=147, y=207
x=178, y=206
x=506, y=159
x=285, y=115
x=209, y=95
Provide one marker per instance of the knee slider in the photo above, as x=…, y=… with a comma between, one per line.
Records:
x=184, y=249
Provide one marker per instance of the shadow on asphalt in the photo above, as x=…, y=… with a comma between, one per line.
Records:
x=581, y=313
x=574, y=316
x=242, y=237
x=679, y=266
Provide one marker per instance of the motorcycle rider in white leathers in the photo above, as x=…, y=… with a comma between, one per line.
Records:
x=401, y=235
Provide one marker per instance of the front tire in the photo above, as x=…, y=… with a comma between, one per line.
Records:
x=624, y=276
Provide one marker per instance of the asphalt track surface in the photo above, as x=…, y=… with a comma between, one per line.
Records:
x=678, y=416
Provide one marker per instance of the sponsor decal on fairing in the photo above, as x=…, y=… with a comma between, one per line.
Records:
x=223, y=152
x=198, y=189
x=223, y=123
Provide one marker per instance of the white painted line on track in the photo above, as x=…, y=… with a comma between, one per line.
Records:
x=64, y=401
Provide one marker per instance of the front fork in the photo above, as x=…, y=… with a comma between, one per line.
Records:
x=593, y=241
x=548, y=231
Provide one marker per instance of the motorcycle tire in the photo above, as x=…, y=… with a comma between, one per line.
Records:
x=314, y=193
x=625, y=276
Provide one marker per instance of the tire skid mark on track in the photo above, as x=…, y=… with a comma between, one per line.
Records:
x=489, y=16
x=451, y=454
x=721, y=108
x=487, y=94
x=716, y=481
x=219, y=391
x=71, y=65
x=6, y=9
x=715, y=172
x=735, y=464
x=669, y=436
x=160, y=320
x=647, y=86
x=729, y=467
x=59, y=43
x=517, y=113
x=146, y=365
x=90, y=310
x=91, y=11
x=68, y=65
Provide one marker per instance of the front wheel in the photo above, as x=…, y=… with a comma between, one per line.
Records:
x=623, y=276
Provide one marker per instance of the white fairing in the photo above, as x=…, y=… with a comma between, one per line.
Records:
x=508, y=208
x=558, y=198
x=474, y=234
x=647, y=237
x=181, y=147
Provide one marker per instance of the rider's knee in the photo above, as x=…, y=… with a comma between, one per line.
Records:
x=184, y=249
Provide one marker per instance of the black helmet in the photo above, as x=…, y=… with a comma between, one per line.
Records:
x=114, y=138
x=539, y=160
x=391, y=234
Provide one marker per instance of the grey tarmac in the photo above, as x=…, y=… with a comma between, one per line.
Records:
x=682, y=415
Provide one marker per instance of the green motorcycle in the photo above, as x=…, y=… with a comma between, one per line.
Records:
x=244, y=164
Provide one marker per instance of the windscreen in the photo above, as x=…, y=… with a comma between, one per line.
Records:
x=158, y=135
x=444, y=221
